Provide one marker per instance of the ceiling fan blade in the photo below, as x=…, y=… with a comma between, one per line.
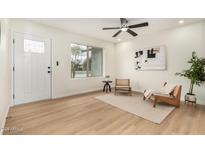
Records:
x=117, y=33
x=139, y=25
x=110, y=28
x=123, y=21
x=131, y=32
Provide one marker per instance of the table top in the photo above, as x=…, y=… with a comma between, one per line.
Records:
x=107, y=81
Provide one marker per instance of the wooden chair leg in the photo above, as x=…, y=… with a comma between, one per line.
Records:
x=144, y=98
x=154, y=102
x=177, y=104
x=130, y=92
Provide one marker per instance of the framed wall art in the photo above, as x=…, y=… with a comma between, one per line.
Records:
x=152, y=58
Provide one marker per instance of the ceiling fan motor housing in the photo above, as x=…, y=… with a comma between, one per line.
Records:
x=124, y=22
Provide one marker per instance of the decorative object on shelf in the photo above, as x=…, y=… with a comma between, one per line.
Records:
x=196, y=75
x=107, y=87
x=107, y=77
x=153, y=58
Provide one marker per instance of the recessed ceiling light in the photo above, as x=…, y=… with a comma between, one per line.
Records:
x=119, y=39
x=181, y=21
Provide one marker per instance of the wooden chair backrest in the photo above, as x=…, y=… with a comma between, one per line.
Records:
x=177, y=92
x=122, y=82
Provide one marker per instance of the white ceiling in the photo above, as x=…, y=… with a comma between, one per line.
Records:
x=93, y=26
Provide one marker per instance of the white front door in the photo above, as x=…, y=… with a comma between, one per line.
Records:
x=32, y=68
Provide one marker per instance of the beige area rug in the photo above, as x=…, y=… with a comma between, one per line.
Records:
x=134, y=104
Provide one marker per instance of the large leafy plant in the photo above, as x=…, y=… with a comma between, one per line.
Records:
x=196, y=73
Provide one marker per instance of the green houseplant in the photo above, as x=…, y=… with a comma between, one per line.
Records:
x=196, y=72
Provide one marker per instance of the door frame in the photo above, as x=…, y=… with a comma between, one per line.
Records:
x=13, y=64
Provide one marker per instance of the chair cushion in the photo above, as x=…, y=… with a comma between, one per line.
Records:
x=164, y=95
x=123, y=87
x=167, y=89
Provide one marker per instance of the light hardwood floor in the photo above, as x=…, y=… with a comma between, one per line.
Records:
x=86, y=115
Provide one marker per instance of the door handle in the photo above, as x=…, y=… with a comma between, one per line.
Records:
x=49, y=71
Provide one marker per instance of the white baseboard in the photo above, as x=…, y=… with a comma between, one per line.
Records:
x=76, y=93
x=4, y=121
x=138, y=91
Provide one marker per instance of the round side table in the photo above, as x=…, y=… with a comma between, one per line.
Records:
x=107, y=86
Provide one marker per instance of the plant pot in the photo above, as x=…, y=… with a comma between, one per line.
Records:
x=190, y=98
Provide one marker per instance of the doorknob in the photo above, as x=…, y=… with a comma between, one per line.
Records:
x=49, y=67
x=49, y=71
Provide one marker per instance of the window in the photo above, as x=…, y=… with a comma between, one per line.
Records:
x=86, y=61
x=33, y=46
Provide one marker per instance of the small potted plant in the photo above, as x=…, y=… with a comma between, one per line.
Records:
x=196, y=75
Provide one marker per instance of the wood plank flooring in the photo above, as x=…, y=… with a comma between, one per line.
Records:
x=86, y=115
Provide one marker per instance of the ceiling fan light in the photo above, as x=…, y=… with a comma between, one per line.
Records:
x=124, y=29
x=181, y=21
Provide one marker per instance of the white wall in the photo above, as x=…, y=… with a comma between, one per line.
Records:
x=62, y=84
x=180, y=42
x=5, y=72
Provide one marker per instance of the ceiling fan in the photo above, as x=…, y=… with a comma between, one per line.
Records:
x=125, y=28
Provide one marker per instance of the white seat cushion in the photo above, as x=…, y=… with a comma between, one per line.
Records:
x=167, y=89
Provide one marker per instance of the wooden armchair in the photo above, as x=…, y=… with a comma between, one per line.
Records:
x=173, y=98
x=123, y=85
